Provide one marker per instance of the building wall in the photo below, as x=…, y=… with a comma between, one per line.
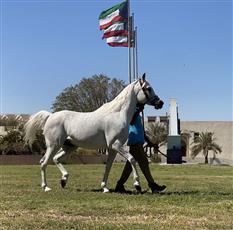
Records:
x=223, y=132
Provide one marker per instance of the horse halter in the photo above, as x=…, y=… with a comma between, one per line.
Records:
x=158, y=104
x=151, y=100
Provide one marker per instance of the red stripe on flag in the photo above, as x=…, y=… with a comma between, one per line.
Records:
x=114, y=44
x=115, y=33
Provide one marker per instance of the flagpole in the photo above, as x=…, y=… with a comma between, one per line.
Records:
x=136, y=50
x=133, y=45
x=129, y=41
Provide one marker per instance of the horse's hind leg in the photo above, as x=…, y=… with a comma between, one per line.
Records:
x=110, y=159
x=44, y=163
x=65, y=174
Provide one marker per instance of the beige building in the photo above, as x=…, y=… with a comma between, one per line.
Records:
x=223, y=132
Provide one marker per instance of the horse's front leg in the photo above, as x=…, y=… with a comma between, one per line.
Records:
x=119, y=148
x=110, y=159
x=65, y=174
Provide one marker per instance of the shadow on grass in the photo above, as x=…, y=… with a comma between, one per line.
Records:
x=166, y=193
x=184, y=193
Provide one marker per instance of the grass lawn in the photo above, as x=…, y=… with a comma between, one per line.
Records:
x=197, y=197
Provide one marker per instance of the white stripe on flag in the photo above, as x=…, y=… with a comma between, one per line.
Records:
x=118, y=39
x=117, y=26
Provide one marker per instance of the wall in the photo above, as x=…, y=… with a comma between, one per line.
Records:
x=223, y=132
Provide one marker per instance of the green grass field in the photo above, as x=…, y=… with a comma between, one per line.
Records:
x=197, y=197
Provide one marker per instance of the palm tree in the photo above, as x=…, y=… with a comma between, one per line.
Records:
x=204, y=143
x=185, y=137
x=156, y=135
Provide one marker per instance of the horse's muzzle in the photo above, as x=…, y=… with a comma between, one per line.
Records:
x=159, y=104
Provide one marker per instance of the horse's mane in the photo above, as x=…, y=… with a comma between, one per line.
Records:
x=118, y=102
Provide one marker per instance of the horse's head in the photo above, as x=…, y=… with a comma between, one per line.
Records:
x=146, y=94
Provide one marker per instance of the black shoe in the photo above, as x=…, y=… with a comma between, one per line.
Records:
x=155, y=188
x=120, y=189
x=138, y=188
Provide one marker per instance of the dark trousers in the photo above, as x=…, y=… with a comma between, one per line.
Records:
x=138, y=153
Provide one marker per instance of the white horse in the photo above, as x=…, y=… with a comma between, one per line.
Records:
x=106, y=127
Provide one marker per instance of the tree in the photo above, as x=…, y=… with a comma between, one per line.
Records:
x=204, y=143
x=156, y=136
x=185, y=137
x=89, y=94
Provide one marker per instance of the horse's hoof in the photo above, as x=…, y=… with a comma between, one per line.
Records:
x=63, y=183
x=47, y=189
x=105, y=190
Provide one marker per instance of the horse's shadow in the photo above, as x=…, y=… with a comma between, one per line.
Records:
x=166, y=193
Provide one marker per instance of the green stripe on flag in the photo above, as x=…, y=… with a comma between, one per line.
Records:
x=105, y=13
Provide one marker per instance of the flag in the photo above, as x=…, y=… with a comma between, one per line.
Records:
x=117, y=13
x=117, y=29
x=114, y=23
x=117, y=41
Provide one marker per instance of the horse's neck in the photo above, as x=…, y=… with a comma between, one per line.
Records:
x=128, y=109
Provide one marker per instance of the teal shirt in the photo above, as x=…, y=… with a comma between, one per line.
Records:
x=136, y=133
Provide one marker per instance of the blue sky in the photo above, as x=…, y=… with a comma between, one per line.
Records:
x=185, y=47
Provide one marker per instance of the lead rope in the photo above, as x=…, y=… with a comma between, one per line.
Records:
x=143, y=123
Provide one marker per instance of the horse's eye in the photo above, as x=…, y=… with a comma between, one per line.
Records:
x=149, y=89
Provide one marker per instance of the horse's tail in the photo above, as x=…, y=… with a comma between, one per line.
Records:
x=35, y=123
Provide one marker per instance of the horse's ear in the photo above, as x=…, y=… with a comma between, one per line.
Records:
x=143, y=77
